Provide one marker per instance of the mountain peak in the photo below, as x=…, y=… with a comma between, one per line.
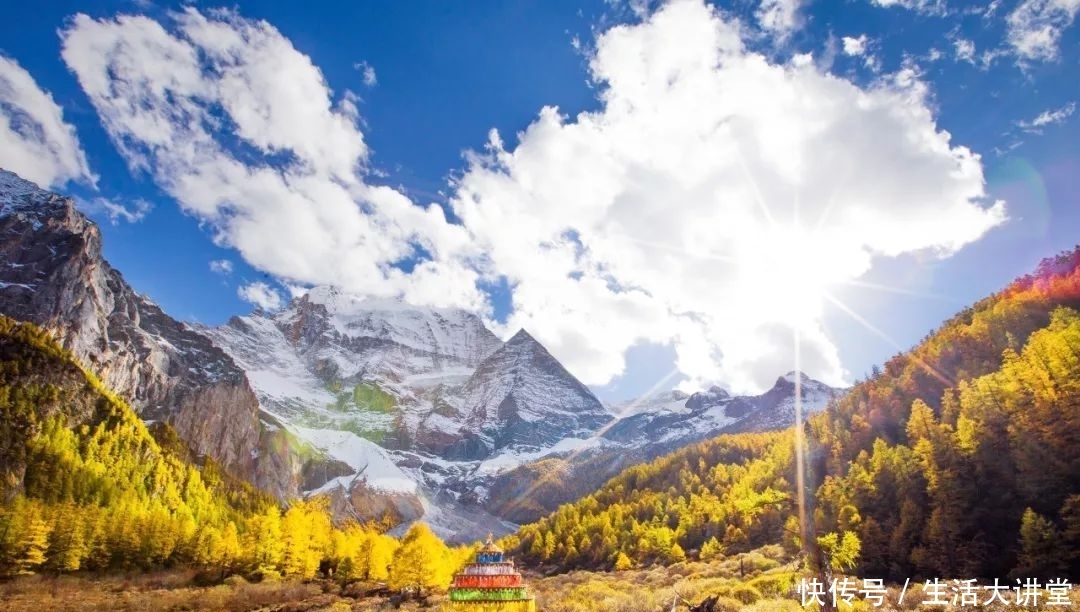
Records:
x=522, y=395
x=340, y=302
x=522, y=337
x=18, y=195
x=790, y=377
x=335, y=315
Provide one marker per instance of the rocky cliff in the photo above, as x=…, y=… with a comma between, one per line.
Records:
x=52, y=273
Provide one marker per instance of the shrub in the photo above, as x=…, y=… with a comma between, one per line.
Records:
x=746, y=593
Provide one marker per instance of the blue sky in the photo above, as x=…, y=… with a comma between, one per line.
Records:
x=660, y=238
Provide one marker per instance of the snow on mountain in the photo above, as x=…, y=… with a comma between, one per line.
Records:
x=374, y=367
x=775, y=409
x=18, y=195
x=512, y=458
x=371, y=463
x=439, y=331
x=673, y=401
x=275, y=370
x=660, y=420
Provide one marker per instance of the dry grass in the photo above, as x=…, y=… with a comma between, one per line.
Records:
x=175, y=592
x=761, y=581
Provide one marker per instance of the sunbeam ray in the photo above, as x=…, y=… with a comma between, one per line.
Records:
x=948, y=382
x=897, y=290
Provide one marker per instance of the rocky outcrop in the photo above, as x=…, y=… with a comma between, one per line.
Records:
x=52, y=273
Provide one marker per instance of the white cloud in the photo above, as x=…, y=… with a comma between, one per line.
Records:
x=965, y=50
x=854, y=46
x=35, y=142
x=925, y=7
x=116, y=211
x=242, y=130
x=639, y=8
x=260, y=294
x=1048, y=117
x=779, y=17
x=223, y=267
x=860, y=47
x=1035, y=27
x=370, y=79
x=709, y=200
x=705, y=205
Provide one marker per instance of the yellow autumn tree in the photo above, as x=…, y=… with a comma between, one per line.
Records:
x=379, y=555
x=67, y=543
x=263, y=546
x=35, y=543
x=422, y=562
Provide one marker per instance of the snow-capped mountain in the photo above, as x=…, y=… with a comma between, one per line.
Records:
x=398, y=400
x=676, y=420
x=376, y=368
x=438, y=332
x=407, y=378
x=663, y=401
x=519, y=397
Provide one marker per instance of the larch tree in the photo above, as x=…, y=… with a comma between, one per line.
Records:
x=422, y=562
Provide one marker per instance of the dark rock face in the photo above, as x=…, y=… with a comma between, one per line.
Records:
x=703, y=400
x=52, y=273
x=364, y=504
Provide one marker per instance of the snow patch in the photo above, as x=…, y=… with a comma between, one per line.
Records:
x=511, y=458
x=372, y=463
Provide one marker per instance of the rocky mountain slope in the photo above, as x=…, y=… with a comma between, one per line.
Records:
x=521, y=397
x=52, y=274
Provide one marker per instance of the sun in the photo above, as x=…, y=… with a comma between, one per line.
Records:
x=785, y=271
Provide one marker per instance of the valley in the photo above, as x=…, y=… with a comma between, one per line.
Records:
x=375, y=435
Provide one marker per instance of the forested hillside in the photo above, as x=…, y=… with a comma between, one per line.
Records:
x=959, y=458
x=86, y=486
x=726, y=495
